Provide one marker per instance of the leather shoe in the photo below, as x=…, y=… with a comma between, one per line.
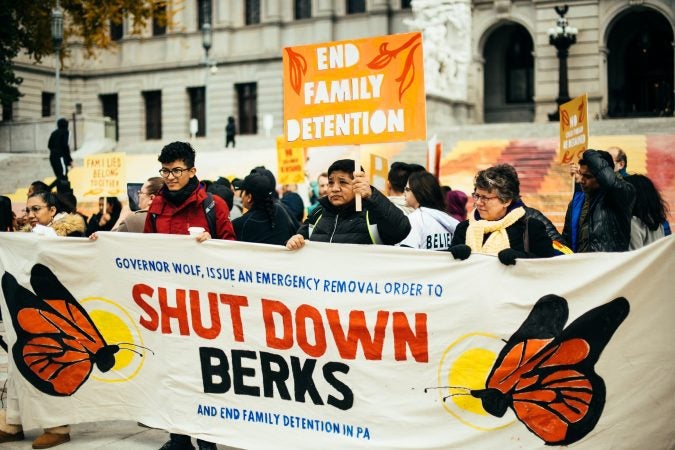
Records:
x=48, y=440
x=10, y=437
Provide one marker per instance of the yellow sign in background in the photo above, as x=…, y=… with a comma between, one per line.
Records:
x=573, y=129
x=291, y=163
x=355, y=92
x=107, y=175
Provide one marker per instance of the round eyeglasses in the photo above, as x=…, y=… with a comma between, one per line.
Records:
x=176, y=172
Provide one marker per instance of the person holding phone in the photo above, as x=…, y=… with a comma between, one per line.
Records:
x=135, y=222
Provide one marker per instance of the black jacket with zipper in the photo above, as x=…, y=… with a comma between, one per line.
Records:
x=380, y=222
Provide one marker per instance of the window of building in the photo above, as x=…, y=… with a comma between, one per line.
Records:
x=109, y=109
x=47, y=104
x=252, y=12
x=159, y=19
x=116, y=31
x=519, y=68
x=247, y=102
x=356, y=6
x=204, y=13
x=7, y=111
x=153, y=114
x=303, y=9
x=406, y=4
x=198, y=108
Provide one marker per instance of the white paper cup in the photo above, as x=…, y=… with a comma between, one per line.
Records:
x=195, y=231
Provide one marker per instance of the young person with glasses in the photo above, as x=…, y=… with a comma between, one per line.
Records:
x=49, y=214
x=179, y=204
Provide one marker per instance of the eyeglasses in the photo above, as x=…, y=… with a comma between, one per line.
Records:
x=34, y=209
x=482, y=198
x=407, y=189
x=176, y=172
x=147, y=193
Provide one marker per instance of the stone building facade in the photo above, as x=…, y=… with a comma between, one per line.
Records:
x=486, y=61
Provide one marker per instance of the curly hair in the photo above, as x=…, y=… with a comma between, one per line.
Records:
x=501, y=179
x=178, y=151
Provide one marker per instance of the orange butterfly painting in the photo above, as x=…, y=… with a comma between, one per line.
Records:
x=545, y=373
x=57, y=343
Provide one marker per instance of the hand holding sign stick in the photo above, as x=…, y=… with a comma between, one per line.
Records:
x=361, y=187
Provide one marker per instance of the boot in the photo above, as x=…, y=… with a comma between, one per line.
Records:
x=10, y=437
x=205, y=445
x=178, y=442
x=48, y=440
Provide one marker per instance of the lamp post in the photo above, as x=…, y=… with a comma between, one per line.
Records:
x=561, y=37
x=207, y=40
x=57, y=38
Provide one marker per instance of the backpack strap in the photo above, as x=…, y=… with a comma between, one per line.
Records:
x=209, y=205
x=526, y=236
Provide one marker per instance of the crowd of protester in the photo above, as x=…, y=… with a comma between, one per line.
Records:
x=609, y=211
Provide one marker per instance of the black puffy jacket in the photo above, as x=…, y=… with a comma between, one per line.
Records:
x=610, y=211
x=380, y=222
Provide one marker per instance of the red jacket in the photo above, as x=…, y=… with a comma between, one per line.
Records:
x=171, y=219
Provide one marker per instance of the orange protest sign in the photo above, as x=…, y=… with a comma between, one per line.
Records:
x=573, y=129
x=355, y=92
x=291, y=162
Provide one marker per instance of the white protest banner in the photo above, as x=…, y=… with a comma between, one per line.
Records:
x=247, y=344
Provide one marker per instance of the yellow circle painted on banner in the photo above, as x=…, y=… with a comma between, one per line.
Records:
x=465, y=366
x=113, y=330
x=117, y=327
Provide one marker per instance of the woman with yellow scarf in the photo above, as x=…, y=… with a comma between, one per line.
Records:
x=498, y=225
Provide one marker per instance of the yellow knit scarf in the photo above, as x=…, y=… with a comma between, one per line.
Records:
x=498, y=239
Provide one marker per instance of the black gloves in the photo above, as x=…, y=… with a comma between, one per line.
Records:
x=460, y=251
x=508, y=256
